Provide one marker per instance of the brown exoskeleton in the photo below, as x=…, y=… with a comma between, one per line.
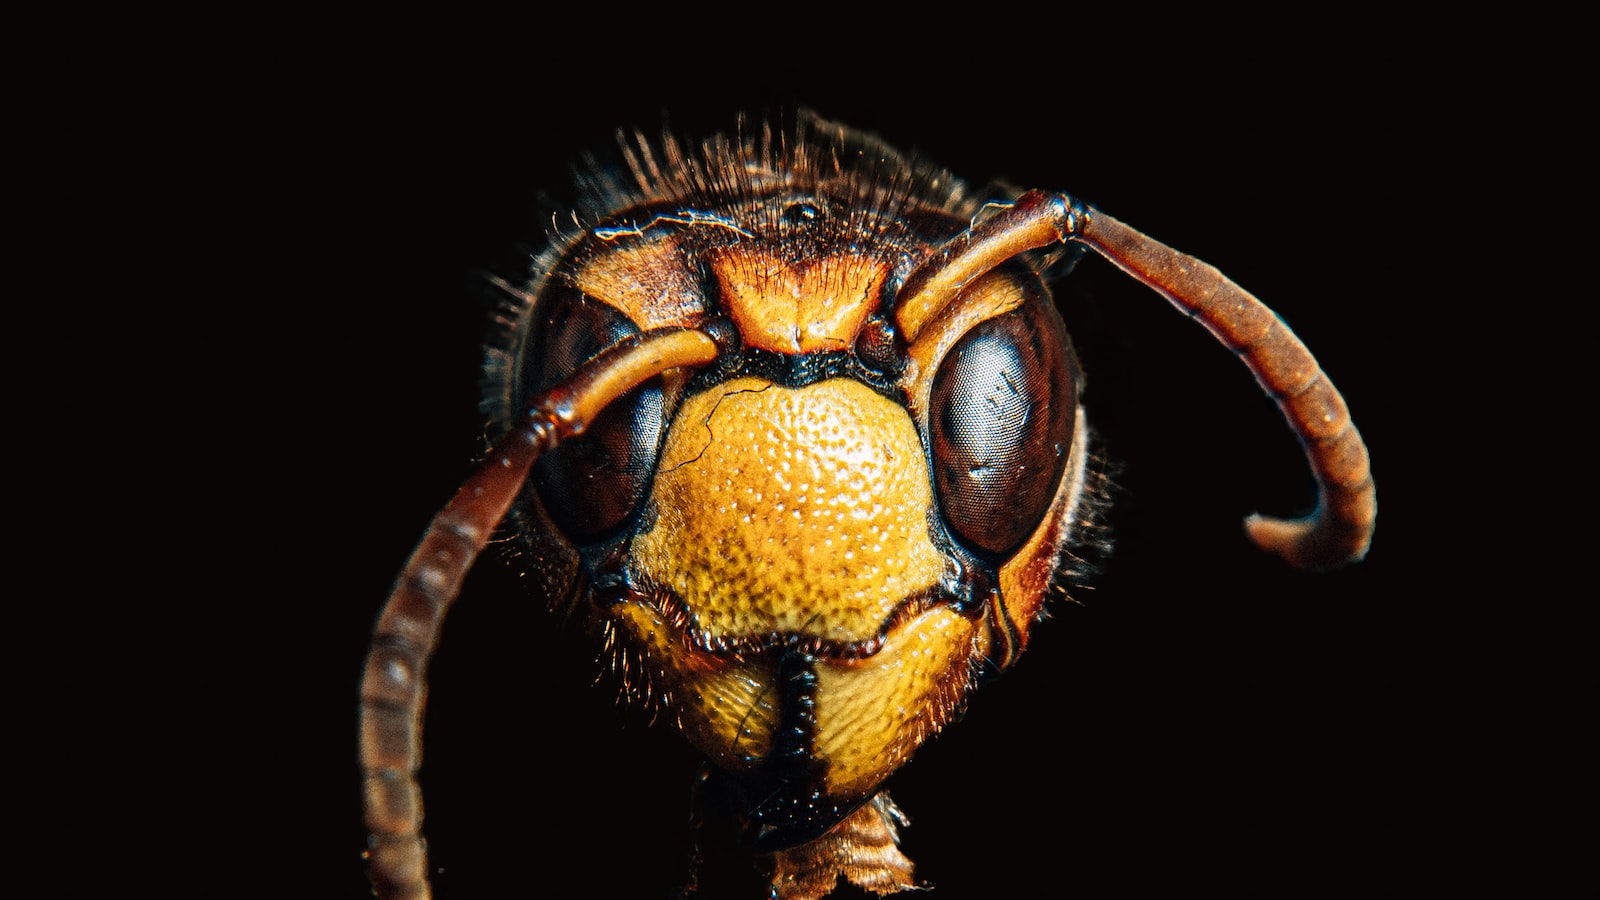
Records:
x=792, y=422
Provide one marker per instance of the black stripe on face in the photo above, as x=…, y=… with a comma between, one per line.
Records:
x=782, y=803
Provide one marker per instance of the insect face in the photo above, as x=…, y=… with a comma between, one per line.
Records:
x=792, y=422
x=811, y=549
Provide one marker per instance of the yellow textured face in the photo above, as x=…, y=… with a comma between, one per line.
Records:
x=791, y=511
x=787, y=513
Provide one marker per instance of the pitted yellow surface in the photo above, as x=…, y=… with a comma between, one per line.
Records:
x=872, y=713
x=791, y=511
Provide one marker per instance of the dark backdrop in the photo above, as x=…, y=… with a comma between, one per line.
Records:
x=1202, y=717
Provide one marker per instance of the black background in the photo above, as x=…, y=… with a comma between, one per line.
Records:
x=1202, y=716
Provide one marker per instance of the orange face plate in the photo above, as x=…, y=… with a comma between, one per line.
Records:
x=801, y=513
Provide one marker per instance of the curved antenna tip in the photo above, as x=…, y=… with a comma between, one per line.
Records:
x=1311, y=543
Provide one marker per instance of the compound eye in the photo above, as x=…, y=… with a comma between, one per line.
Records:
x=1003, y=408
x=590, y=485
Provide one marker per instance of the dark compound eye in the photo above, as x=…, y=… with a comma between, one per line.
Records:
x=1002, y=414
x=590, y=485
